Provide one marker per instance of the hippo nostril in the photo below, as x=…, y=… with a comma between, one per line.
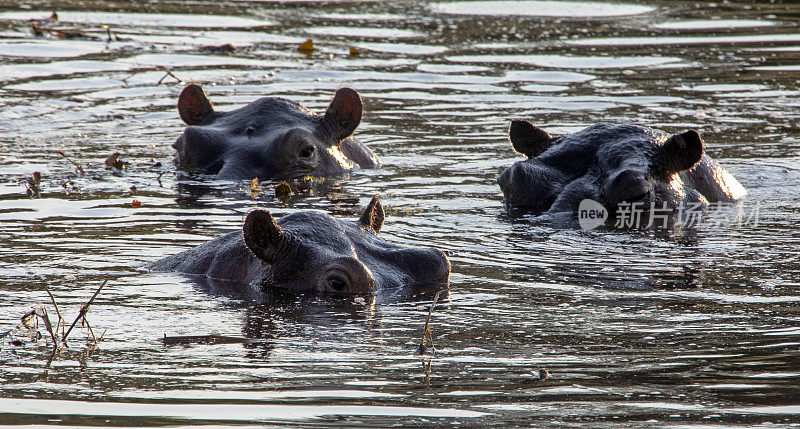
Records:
x=307, y=152
x=337, y=284
x=636, y=198
x=250, y=131
x=347, y=275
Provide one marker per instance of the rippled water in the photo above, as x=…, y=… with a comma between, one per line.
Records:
x=698, y=328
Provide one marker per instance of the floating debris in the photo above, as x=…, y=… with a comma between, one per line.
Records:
x=283, y=192
x=33, y=185
x=254, y=190
x=205, y=339
x=30, y=323
x=306, y=47
x=355, y=53
x=61, y=34
x=111, y=36
x=426, y=333
x=83, y=311
x=219, y=49
x=78, y=167
x=168, y=74
x=114, y=163
x=37, y=32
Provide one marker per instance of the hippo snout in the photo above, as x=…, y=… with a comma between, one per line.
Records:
x=442, y=273
x=433, y=268
x=627, y=185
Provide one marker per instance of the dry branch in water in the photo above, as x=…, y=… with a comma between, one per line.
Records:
x=83, y=311
x=77, y=166
x=426, y=333
x=169, y=73
x=156, y=68
x=30, y=322
x=205, y=339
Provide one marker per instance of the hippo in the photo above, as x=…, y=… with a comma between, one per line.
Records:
x=270, y=138
x=313, y=252
x=611, y=165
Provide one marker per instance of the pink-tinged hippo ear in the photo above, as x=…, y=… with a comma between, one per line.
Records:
x=193, y=105
x=527, y=138
x=344, y=114
x=680, y=152
x=263, y=236
x=373, y=216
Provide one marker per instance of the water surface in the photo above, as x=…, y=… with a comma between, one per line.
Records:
x=690, y=328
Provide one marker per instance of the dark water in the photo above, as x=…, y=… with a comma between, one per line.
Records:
x=699, y=329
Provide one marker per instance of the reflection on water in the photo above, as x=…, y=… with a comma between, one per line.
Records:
x=693, y=328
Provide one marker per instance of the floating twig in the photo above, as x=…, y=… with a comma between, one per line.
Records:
x=83, y=311
x=204, y=339
x=427, y=332
x=47, y=325
x=77, y=166
x=169, y=73
x=89, y=327
x=53, y=299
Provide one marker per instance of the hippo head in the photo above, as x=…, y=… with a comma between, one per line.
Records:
x=268, y=138
x=646, y=169
x=610, y=164
x=311, y=250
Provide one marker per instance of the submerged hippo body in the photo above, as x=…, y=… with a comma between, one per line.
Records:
x=270, y=138
x=612, y=164
x=312, y=251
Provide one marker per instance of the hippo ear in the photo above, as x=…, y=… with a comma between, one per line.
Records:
x=193, y=105
x=263, y=236
x=680, y=152
x=527, y=138
x=343, y=114
x=374, y=215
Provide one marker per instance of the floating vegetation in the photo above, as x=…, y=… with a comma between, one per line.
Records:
x=254, y=189
x=355, y=52
x=28, y=327
x=306, y=47
x=283, y=192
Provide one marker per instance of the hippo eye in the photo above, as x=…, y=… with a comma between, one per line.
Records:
x=307, y=151
x=250, y=131
x=337, y=284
